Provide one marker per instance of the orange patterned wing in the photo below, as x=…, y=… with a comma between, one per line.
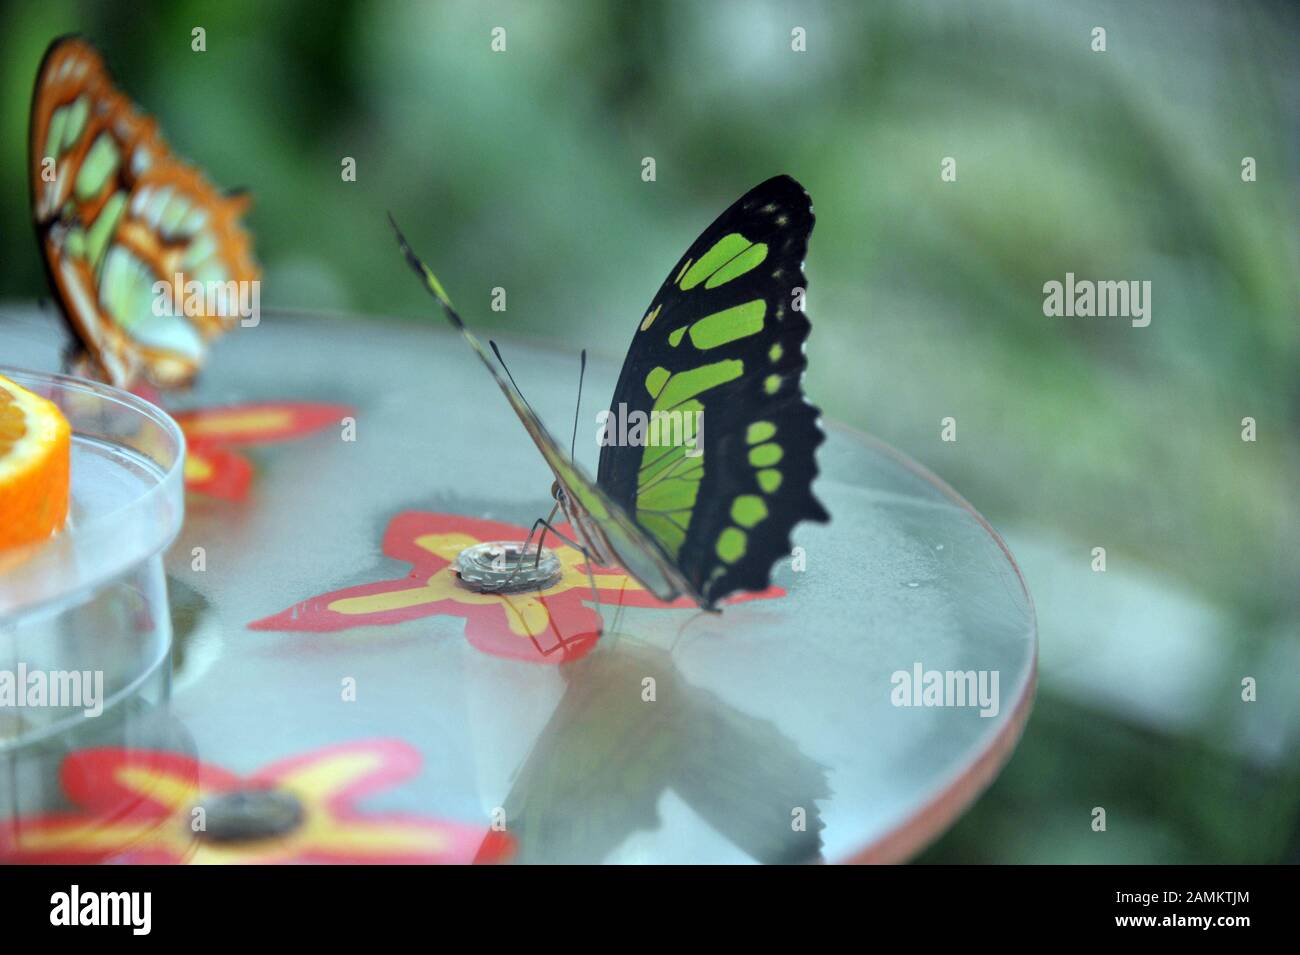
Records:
x=148, y=260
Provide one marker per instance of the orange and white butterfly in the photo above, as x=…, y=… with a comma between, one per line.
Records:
x=116, y=214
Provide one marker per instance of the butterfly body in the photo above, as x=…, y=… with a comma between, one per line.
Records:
x=116, y=214
x=588, y=531
x=722, y=343
x=638, y=556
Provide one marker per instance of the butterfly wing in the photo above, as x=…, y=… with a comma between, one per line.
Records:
x=722, y=345
x=590, y=510
x=115, y=213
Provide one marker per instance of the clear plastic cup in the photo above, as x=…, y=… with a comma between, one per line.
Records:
x=86, y=612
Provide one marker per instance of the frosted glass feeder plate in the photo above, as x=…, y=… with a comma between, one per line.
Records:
x=85, y=613
x=772, y=716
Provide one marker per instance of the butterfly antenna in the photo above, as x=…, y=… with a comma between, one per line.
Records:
x=582, y=371
x=497, y=351
x=435, y=288
x=426, y=273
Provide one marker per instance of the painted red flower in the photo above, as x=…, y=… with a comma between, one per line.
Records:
x=551, y=626
x=144, y=806
x=212, y=468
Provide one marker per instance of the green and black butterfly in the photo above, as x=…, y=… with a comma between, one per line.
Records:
x=723, y=341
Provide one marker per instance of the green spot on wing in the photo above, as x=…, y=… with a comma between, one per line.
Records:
x=663, y=530
x=748, y=509
x=749, y=259
x=100, y=163
x=54, y=134
x=731, y=544
x=669, y=480
x=672, y=494
x=765, y=455
x=769, y=480
x=75, y=123
x=759, y=431
x=654, y=382
x=689, y=383
x=201, y=248
x=155, y=204
x=656, y=456
x=76, y=243
x=728, y=325
x=723, y=251
x=173, y=214
x=99, y=234
x=115, y=284
x=675, y=338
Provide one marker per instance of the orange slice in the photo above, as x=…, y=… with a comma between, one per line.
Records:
x=35, y=460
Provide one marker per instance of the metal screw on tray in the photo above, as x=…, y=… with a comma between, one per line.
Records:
x=505, y=567
x=246, y=815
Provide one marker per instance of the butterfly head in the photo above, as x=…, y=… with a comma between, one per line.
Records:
x=557, y=492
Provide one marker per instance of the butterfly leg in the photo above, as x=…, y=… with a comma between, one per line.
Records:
x=591, y=578
x=545, y=524
x=528, y=541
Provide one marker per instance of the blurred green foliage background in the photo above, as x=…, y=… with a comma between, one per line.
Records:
x=522, y=170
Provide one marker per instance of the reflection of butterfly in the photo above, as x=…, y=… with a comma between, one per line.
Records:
x=603, y=762
x=723, y=342
x=115, y=213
